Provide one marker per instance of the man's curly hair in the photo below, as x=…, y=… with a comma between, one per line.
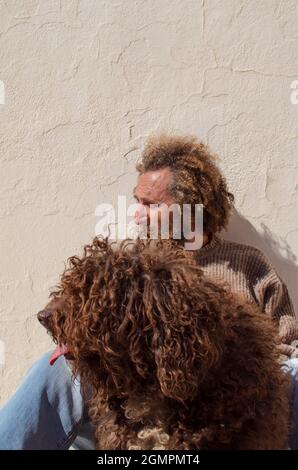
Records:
x=196, y=176
x=169, y=358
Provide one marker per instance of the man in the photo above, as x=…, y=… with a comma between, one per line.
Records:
x=47, y=411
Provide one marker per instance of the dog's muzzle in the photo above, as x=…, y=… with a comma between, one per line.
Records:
x=45, y=318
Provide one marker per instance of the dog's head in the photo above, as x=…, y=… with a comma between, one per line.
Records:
x=138, y=315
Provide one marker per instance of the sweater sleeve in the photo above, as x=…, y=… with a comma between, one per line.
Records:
x=273, y=297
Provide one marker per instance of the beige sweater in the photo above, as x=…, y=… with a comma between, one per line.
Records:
x=248, y=271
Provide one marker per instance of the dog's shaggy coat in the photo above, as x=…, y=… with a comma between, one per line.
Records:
x=172, y=359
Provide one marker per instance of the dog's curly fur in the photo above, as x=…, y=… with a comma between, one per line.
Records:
x=172, y=359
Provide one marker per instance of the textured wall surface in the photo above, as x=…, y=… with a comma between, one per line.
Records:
x=87, y=81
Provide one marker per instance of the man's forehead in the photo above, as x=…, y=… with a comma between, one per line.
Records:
x=156, y=180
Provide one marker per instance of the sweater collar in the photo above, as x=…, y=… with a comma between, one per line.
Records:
x=211, y=246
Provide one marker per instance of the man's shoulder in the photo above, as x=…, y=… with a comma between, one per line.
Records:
x=241, y=247
x=246, y=252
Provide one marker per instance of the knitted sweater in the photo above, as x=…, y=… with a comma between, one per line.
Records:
x=248, y=272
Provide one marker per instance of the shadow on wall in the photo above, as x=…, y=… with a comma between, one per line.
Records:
x=278, y=251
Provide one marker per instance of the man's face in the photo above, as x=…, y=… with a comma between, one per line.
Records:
x=152, y=188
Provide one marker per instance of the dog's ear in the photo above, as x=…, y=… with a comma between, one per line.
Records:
x=187, y=337
x=183, y=362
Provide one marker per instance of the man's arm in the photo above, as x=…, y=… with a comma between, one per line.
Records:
x=274, y=300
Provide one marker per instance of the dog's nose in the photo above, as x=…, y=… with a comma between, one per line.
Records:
x=45, y=318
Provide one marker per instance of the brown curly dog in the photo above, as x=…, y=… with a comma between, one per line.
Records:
x=173, y=359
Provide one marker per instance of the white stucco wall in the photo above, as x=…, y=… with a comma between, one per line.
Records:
x=86, y=81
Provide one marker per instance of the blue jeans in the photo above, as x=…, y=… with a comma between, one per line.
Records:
x=291, y=366
x=48, y=412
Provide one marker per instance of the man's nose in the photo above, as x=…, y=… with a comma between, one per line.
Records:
x=140, y=215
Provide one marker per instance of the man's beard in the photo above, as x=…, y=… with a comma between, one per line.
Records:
x=154, y=232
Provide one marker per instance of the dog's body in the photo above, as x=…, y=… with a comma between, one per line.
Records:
x=174, y=360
